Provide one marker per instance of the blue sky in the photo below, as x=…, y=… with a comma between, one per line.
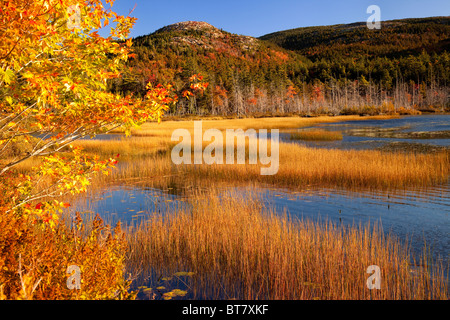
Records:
x=256, y=18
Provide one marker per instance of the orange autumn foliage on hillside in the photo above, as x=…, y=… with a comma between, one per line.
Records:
x=54, y=71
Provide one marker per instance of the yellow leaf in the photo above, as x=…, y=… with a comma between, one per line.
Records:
x=27, y=74
x=8, y=75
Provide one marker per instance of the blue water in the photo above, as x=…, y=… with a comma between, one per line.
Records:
x=420, y=216
x=413, y=123
x=424, y=123
x=129, y=204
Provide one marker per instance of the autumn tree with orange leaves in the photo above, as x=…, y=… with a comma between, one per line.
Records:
x=54, y=69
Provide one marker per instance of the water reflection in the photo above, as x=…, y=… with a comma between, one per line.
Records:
x=419, y=215
x=366, y=134
x=129, y=204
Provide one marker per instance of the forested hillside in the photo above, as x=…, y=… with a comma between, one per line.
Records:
x=412, y=49
x=404, y=67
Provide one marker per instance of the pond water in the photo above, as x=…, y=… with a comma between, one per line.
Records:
x=129, y=203
x=419, y=215
x=372, y=134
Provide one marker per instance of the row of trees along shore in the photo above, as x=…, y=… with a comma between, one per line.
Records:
x=265, y=78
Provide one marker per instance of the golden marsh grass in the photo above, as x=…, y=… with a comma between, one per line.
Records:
x=316, y=135
x=238, y=249
x=165, y=129
x=126, y=147
x=300, y=166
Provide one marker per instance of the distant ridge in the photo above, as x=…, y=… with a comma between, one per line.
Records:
x=395, y=38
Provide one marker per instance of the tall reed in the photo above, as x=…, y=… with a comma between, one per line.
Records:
x=301, y=166
x=238, y=249
x=316, y=135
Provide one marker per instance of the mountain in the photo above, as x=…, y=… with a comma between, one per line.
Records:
x=414, y=51
x=326, y=69
x=395, y=39
x=240, y=69
x=203, y=34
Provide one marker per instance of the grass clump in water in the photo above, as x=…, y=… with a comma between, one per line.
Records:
x=317, y=135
